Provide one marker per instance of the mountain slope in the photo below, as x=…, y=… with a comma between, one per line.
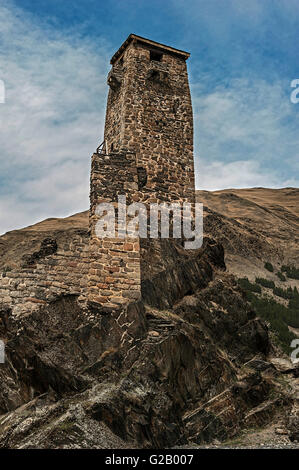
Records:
x=196, y=363
x=255, y=226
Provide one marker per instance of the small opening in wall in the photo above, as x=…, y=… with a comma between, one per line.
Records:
x=154, y=55
x=121, y=61
x=111, y=147
x=155, y=74
x=142, y=177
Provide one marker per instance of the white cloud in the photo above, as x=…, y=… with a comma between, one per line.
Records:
x=54, y=112
x=246, y=135
x=52, y=119
x=239, y=174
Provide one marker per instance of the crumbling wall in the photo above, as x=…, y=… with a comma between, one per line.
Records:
x=114, y=270
x=147, y=155
x=44, y=277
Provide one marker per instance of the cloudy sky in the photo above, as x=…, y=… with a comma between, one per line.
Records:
x=54, y=58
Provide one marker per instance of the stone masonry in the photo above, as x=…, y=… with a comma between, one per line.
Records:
x=58, y=267
x=114, y=275
x=147, y=155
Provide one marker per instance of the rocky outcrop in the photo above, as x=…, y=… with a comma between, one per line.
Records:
x=190, y=363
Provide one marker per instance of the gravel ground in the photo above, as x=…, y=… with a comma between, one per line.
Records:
x=275, y=436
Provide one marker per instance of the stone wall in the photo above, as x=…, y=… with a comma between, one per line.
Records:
x=147, y=156
x=114, y=270
x=42, y=278
x=149, y=112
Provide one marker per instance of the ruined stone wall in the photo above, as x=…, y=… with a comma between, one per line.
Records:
x=114, y=271
x=47, y=278
x=147, y=156
x=114, y=126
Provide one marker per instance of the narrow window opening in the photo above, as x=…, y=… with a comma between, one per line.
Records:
x=154, y=74
x=154, y=55
x=142, y=177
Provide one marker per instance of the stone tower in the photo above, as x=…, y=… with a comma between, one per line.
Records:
x=147, y=154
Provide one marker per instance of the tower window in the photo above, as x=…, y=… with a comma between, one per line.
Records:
x=142, y=177
x=154, y=55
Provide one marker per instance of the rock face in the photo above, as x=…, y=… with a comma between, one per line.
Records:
x=189, y=363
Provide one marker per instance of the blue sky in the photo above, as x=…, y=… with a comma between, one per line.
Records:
x=54, y=58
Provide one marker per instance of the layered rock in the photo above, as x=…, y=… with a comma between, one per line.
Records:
x=187, y=364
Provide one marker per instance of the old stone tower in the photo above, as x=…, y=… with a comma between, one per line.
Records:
x=147, y=155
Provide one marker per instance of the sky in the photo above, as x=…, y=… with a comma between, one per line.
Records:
x=54, y=59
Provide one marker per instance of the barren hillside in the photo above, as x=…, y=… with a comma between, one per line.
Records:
x=196, y=364
x=254, y=225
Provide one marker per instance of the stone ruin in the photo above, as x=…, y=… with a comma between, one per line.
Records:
x=116, y=341
x=147, y=154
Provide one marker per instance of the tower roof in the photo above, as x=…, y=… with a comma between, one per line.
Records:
x=149, y=43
